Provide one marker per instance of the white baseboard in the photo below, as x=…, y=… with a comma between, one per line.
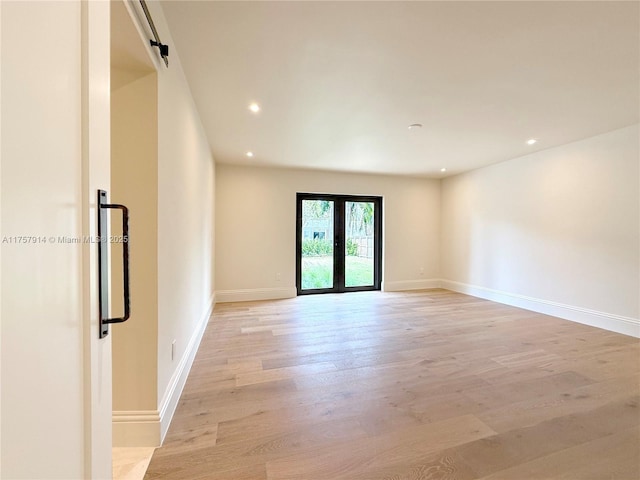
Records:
x=249, y=295
x=171, y=396
x=410, y=285
x=615, y=323
x=136, y=428
x=147, y=428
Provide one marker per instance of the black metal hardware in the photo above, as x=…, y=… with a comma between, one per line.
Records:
x=103, y=262
x=164, y=49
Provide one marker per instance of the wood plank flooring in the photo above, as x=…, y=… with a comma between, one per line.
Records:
x=412, y=385
x=131, y=463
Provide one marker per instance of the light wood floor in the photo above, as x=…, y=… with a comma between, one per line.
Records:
x=424, y=385
x=131, y=463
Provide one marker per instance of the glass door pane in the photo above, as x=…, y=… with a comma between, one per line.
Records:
x=359, y=244
x=317, y=244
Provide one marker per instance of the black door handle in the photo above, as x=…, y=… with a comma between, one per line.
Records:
x=125, y=262
x=103, y=263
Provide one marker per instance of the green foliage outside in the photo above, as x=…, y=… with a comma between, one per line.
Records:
x=318, y=248
x=352, y=248
x=316, y=209
x=317, y=254
x=317, y=272
x=358, y=272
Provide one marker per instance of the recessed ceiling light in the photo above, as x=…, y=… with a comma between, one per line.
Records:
x=531, y=141
x=414, y=126
x=443, y=169
x=249, y=154
x=254, y=107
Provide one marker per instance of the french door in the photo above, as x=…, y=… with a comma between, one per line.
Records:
x=338, y=243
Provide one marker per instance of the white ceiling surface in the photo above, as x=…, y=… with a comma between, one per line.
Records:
x=129, y=59
x=339, y=82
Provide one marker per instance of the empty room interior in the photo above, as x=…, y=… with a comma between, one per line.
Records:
x=358, y=240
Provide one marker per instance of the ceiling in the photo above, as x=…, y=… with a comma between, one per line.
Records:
x=129, y=59
x=339, y=83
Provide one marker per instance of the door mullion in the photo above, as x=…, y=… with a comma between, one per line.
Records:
x=339, y=241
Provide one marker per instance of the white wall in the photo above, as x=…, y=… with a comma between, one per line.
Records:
x=134, y=173
x=555, y=231
x=172, y=191
x=256, y=227
x=186, y=176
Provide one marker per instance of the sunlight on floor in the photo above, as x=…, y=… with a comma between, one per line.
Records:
x=131, y=463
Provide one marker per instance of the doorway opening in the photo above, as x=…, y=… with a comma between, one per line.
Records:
x=133, y=181
x=338, y=243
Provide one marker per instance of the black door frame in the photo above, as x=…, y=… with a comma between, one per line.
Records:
x=339, y=235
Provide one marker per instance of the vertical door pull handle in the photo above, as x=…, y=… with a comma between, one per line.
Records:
x=104, y=266
x=125, y=263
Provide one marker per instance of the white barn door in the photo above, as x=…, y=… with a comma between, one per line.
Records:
x=54, y=142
